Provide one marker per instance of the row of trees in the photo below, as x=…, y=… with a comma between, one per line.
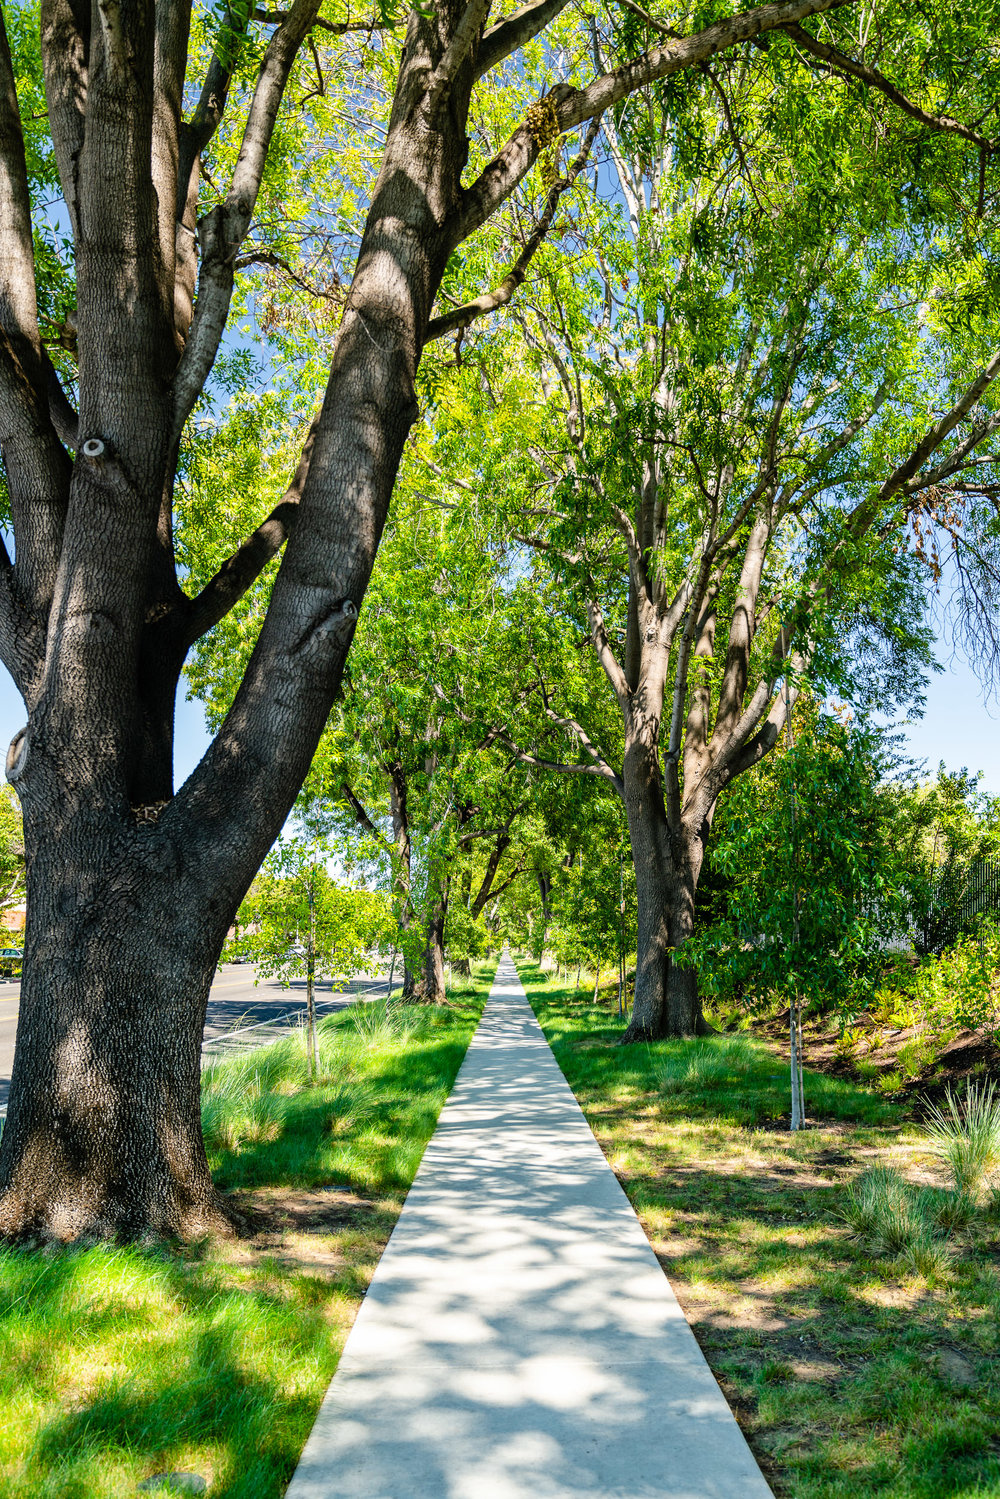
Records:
x=683, y=467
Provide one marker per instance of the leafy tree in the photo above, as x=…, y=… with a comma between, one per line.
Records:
x=742, y=406
x=208, y=165
x=951, y=828
x=298, y=922
x=817, y=879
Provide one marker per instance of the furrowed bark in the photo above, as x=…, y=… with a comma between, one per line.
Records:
x=36, y=464
x=223, y=231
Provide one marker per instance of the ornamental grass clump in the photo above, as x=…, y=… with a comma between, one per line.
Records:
x=965, y=1133
x=706, y=1063
x=238, y=1106
x=893, y=1220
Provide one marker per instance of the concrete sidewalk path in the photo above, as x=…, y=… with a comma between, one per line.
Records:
x=519, y=1339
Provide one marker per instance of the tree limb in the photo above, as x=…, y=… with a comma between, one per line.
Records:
x=508, y=35
x=246, y=564
x=844, y=64
x=223, y=230
x=363, y=818
x=208, y=112
x=462, y=41
x=65, y=36
x=461, y=317
x=573, y=105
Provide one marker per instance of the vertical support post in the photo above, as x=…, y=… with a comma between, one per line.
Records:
x=311, y=980
x=795, y=1005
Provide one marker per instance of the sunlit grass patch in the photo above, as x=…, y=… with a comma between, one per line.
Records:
x=118, y=1363
x=854, y=1372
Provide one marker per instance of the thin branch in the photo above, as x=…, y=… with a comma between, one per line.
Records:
x=335, y=293
x=363, y=818
x=247, y=563
x=211, y=106
x=844, y=64
x=333, y=28
x=461, y=317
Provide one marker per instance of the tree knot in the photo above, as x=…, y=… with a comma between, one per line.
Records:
x=17, y=756
x=148, y=812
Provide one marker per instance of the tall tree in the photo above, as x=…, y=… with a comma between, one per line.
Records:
x=742, y=406
x=132, y=887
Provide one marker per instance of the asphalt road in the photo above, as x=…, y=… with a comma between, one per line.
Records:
x=240, y=1013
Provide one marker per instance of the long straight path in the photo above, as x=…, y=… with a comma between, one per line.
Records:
x=519, y=1339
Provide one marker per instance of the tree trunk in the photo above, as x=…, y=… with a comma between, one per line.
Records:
x=597, y=982
x=432, y=987
x=103, y=1138
x=666, y=874
x=545, y=891
x=312, y=1050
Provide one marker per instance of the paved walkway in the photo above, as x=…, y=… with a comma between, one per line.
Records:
x=519, y=1339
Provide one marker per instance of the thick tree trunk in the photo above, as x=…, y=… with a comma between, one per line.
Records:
x=432, y=987
x=103, y=1138
x=666, y=875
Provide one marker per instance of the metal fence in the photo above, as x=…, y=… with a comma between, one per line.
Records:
x=960, y=897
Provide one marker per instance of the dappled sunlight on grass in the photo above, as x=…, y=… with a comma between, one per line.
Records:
x=851, y=1375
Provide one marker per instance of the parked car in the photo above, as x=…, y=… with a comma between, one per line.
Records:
x=10, y=962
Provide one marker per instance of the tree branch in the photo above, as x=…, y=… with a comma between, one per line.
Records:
x=508, y=35
x=333, y=28
x=844, y=64
x=223, y=230
x=461, y=317
x=211, y=106
x=246, y=564
x=461, y=44
x=37, y=466
x=65, y=36
x=571, y=106
x=363, y=818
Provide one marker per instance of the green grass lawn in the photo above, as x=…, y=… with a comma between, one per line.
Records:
x=116, y=1364
x=852, y=1376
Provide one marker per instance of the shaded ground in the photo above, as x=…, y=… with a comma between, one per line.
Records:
x=876, y=1058
x=853, y=1378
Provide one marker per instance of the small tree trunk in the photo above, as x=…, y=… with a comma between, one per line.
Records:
x=311, y=1048
x=545, y=891
x=579, y=970
x=597, y=982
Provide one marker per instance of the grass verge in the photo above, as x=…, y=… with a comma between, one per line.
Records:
x=116, y=1364
x=853, y=1371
